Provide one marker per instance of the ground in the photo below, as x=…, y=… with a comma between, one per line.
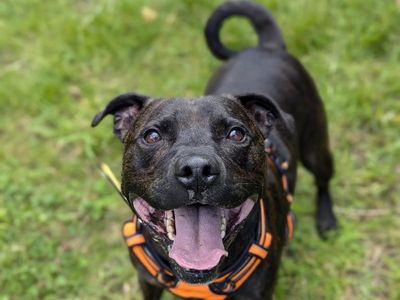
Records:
x=63, y=60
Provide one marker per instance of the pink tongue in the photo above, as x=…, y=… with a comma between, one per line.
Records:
x=198, y=244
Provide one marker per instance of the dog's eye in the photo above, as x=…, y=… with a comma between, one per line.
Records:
x=236, y=134
x=152, y=137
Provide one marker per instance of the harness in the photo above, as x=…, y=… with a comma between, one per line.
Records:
x=232, y=279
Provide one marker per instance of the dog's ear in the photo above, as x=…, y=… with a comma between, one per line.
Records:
x=266, y=113
x=125, y=108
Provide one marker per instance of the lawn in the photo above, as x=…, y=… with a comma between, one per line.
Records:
x=62, y=60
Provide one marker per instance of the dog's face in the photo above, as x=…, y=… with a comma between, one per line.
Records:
x=193, y=170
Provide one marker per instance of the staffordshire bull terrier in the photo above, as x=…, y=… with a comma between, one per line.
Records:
x=211, y=178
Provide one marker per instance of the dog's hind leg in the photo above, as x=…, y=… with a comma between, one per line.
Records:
x=316, y=157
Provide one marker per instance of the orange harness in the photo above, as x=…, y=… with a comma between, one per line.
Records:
x=231, y=280
x=220, y=288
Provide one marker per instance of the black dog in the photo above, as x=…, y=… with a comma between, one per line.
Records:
x=194, y=170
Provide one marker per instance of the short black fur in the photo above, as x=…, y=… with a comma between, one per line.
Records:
x=266, y=93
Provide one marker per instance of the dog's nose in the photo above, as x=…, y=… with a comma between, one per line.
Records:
x=196, y=173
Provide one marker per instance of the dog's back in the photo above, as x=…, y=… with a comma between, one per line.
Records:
x=268, y=69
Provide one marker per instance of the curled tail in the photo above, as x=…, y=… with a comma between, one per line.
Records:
x=264, y=24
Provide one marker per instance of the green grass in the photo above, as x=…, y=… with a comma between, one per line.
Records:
x=62, y=60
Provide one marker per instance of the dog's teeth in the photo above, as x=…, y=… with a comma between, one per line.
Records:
x=170, y=224
x=170, y=228
x=223, y=225
x=171, y=236
x=223, y=231
x=169, y=214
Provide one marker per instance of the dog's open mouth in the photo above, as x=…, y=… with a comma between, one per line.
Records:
x=197, y=232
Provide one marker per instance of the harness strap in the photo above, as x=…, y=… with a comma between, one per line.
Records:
x=221, y=287
x=280, y=168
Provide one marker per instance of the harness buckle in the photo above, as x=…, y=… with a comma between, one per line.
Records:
x=223, y=288
x=258, y=251
x=165, y=279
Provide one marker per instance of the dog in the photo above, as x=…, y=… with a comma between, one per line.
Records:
x=196, y=176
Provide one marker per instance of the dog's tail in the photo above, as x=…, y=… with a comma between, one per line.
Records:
x=264, y=24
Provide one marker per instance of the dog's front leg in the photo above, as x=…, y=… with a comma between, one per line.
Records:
x=149, y=291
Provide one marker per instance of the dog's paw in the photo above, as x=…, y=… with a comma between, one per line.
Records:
x=326, y=224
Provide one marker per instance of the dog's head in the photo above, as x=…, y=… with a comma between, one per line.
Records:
x=193, y=170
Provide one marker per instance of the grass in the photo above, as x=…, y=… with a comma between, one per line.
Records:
x=63, y=60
